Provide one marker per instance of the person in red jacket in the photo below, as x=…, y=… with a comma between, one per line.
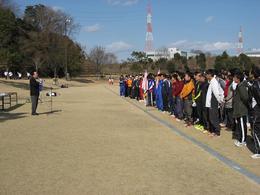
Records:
x=177, y=86
x=141, y=91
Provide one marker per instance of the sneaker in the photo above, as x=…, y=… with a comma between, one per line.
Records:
x=188, y=124
x=222, y=125
x=255, y=156
x=201, y=127
x=239, y=144
x=198, y=127
x=178, y=120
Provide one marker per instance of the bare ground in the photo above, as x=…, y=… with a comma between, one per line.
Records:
x=97, y=143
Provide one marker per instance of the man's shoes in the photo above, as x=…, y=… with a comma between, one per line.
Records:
x=178, y=120
x=239, y=144
x=35, y=114
x=255, y=156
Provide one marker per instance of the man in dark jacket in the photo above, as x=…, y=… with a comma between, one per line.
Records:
x=240, y=108
x=254, y=91
x=34, y=92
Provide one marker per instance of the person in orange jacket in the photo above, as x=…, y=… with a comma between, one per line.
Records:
x=129, y=86
x=186, y=94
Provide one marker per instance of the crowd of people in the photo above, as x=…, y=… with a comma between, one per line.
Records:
x=209, y=100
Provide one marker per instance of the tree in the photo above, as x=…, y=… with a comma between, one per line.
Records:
x=201, y=61
x=97, y=56
x=161, y=63
x=138, y=56
x=222, y=62
x=171, y=67
x=245, y=62
x=110, y=58
x=8, y=38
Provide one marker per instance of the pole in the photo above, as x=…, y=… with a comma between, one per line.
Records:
x=51, y=99
x=66, y=52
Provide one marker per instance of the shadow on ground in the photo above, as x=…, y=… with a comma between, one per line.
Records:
x=6, y=115
x=17, y=85
x=12, y=108
x=82, y=80
x=11, y=116
x=50, y=112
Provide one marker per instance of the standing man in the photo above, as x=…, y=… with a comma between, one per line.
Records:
x=122, y=85
x=186, y=94
x=255, y=106
x=159, y=98
x=165, y=92
x=34, y=92
x=214, y=97
x=240, y=108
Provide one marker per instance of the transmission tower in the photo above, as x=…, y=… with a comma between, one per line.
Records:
x=149, y=29
x=240, y=44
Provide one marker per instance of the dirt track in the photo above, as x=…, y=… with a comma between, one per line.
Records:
x=97, y=143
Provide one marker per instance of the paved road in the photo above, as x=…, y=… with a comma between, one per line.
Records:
x=98, y=143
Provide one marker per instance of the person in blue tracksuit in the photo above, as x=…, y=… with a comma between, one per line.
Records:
x=165, y=92
x=122, y=85
x=159, y=98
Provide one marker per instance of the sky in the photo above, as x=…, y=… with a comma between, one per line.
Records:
x=120, y=25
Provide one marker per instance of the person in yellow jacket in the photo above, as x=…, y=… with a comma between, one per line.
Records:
x=186, y=95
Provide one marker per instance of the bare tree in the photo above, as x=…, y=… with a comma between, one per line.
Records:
x=110, y=58
x=9, y=4
x=98, y=56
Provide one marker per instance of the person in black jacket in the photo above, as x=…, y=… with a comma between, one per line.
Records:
x=254, y=91
x=240, y=108
x=34, y=92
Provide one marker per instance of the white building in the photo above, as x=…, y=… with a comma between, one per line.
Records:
x=174, y=50
x=167, y=53
x=253, y=54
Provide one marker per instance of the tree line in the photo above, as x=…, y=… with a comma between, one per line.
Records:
x=39, y=40
x=139, y=61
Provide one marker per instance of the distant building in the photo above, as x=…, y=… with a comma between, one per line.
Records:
x=168, y=54
x=253, y=54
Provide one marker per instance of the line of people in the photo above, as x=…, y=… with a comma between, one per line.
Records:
x=208, y=100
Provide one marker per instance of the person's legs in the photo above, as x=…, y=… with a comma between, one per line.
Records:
x=171, y=109
x=121, y=90
x=205, y=119
x=165, y=103
x=230, y=120
x=37, y=100
x=256, y=133
x=188, y=110
x=214, y=120
x=242, y=129
x=179, y=108
x=200, y=112
x=149, y=96
x=34, y=104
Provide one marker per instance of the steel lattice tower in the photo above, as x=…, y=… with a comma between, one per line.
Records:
x=149, y=30
x=240, y=44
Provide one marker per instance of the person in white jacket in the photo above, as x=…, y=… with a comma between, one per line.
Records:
x=214, y=98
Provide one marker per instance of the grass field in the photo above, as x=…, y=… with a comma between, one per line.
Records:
x=98, y=143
